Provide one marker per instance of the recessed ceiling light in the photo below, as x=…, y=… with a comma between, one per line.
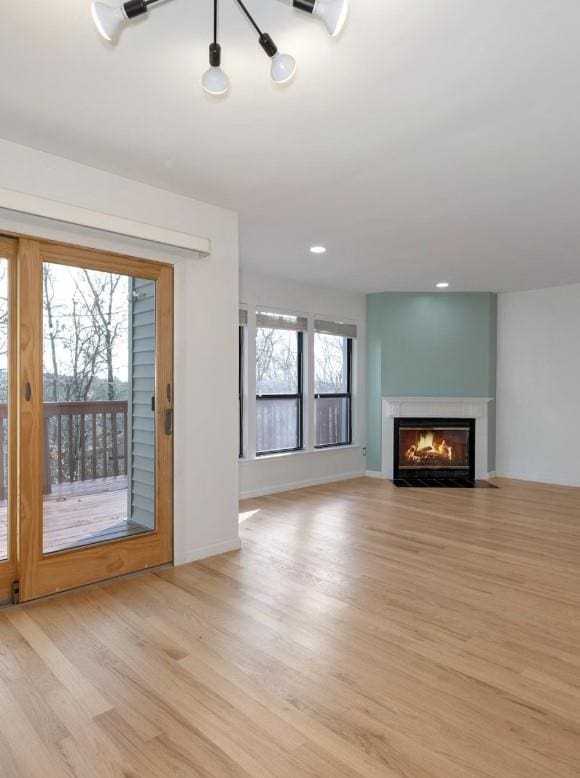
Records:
x=317, y=249
x=442, y=285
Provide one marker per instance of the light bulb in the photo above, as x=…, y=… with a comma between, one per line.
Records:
x=108, y=20
x=283, y=68
x=215, y=81
x=333, y=13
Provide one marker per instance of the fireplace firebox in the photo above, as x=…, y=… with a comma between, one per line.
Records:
x=434, y=452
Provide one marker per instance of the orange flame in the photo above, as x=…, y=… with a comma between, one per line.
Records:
x=427, y=447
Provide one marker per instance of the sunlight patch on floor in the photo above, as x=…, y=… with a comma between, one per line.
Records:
x=245, y=515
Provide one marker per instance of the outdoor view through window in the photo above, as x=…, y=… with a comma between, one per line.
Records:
x=332, y=389
x=99, y=426
x=3, y=408
x=277, y=390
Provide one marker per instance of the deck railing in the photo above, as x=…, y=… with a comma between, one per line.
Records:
x=82, y=441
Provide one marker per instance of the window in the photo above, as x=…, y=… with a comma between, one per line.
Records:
x=332, y=386
x=278, y=383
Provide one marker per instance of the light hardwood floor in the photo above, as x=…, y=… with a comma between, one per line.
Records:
x=362, y=631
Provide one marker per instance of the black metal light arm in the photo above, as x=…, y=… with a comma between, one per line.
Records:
x=264, y=39
x=250, y=17
x=215, y=50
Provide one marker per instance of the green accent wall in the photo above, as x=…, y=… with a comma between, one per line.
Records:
x=429, y=345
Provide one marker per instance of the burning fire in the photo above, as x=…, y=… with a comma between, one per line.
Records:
x=428, y=449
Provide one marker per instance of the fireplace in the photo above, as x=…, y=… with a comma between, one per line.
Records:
x=434, y=452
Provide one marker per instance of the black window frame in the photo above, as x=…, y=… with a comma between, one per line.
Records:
x=299, y=396
x=339, y=396
x=241, y=388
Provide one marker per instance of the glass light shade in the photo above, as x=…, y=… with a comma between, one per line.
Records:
x=108, y=20
x=333, y=13
x=283, y=67
x=215, y=81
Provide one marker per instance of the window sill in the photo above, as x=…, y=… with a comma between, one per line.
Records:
x=303, y=452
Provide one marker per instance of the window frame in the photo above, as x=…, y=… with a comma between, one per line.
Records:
x=241, y=355
x=338, y=396
x=299, y=397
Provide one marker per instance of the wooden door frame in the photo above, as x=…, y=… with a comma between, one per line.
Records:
x=42, y=574
x=9, y=567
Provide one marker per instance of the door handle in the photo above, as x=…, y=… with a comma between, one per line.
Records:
x=27, y=392
x=169, y=421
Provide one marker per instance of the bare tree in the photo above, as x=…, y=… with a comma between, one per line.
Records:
x=103, y=287
x=3, y=371
x=330, y=363
x=86, y=325
x=84, y=343
x=276, y=360
x=264, y=351
x=49, y=306
x=4, y=308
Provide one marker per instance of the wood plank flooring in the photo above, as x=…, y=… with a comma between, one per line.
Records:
x=361, y=631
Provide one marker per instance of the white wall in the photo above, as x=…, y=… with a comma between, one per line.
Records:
x=206, y=305
x=538, y=385
x=264, y=475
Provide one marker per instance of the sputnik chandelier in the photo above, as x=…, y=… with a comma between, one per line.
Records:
x=109, y=21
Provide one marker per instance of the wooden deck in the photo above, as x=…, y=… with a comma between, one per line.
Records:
x=80, y=514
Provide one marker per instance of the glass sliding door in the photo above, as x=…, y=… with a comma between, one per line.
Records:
x=97, y=371
x=4, y=421
x=99, y=348
x=8, y=539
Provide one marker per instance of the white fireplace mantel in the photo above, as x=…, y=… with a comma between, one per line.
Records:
x=436, y=408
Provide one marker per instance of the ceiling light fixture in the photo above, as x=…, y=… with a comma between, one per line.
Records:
x=442, y=285
x=214, y=80
x=318, y=249
x=283, y=65
x=109, y=21
x=332, y=13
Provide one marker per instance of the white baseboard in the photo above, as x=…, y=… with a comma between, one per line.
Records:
x=537, y=479
x=289, y=487
x=206, y=551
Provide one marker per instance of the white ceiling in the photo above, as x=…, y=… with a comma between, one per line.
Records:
x=434, y=140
